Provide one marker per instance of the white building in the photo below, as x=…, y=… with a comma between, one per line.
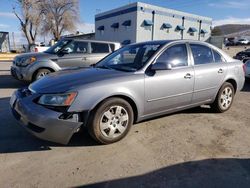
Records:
x=138, y=22
x=4, y=41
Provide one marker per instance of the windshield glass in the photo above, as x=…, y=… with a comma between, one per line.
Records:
x=58, y=46
x=129, y=58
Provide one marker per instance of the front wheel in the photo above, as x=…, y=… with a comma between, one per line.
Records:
x=41, y=73
x=111, y=121
x=224, y=98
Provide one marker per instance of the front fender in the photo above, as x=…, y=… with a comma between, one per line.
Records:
x=43, y=64
x=89, y=98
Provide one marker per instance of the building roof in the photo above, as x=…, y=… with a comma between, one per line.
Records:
x=138, y=6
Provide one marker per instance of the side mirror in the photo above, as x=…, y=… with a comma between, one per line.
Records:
x=161, y=66
x=64, y=51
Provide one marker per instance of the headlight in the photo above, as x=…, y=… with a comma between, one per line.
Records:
x=65, y=99
x=27, y=61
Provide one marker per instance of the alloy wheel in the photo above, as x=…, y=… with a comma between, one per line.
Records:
x=114, y=121
x=226, y=98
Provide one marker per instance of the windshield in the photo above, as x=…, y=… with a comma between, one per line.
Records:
x=58, y=46
x=130, y=58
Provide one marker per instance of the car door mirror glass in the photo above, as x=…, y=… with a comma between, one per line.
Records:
x=161, y=66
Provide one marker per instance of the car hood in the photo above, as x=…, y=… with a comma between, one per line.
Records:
x=63, y=81
x=38, y=55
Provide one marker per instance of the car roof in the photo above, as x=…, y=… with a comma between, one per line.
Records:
x=163, y=42
x=89, y=40
x=166, y=42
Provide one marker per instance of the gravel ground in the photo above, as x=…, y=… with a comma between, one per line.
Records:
x=193, y=148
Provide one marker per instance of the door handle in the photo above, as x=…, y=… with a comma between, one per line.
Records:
x=84, y=58
x=220, y=71
x=188, y=76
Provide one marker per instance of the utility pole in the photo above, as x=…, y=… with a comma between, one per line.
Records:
x=153, y=26
x=182, y=32
x=199, y=34
x=13, y=38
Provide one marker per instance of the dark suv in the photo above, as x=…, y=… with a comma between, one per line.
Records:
x=243, y=55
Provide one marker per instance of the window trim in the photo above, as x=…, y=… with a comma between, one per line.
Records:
x=169, y=46
x=192, y=57
x=90, y=47
x=222, y=58
x=75, y=53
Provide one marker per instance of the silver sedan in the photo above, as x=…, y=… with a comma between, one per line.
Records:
x=136, y=82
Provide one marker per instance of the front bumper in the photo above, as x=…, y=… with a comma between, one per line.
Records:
x=21, y=73
x=42, y=122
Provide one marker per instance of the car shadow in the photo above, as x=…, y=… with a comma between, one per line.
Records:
x=246, y=87
x=14, y=138
x=225, y=172
x=8, y=82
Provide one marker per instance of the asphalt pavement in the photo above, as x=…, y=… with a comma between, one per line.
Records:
x=192, y=148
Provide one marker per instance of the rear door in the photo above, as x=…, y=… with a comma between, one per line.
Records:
x=209, y=69
x=77, y=50
x=98, y=51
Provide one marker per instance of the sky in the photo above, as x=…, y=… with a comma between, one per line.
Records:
x=221, y=11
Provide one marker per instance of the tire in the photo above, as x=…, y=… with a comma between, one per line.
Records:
x=41, y=73
x=111, y=121
x=224, y=98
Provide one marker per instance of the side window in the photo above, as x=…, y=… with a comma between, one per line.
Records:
x=217, y=57
x=112, y=47
x=176, y=55
x=202, y=54
x=77, y=47
x=99, y=47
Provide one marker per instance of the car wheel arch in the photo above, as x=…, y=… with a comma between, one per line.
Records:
x=122, y=96
x=229, y=80
x=35, y=72
x=233, y=82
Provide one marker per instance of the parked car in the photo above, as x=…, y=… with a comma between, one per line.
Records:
x=243, y=55
x=65, y=54
x=229, y=41
x=40, y=47
x=247, y=69
x=242, y=42
x=137, y=82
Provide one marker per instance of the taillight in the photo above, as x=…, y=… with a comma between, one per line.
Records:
x=245, y=67
x=36, y=49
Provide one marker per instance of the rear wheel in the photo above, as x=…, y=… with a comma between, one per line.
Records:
x=41, y=73
x=224, y=98
x=111, y=121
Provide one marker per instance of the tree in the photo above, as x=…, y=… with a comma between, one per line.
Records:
x=59, y=16
x=29, y=16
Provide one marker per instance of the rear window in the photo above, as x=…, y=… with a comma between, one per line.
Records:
x=99, y=47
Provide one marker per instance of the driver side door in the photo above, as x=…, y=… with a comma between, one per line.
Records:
x=170, y=89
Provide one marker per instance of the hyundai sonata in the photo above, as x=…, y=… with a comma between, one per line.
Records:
x=136, y=82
